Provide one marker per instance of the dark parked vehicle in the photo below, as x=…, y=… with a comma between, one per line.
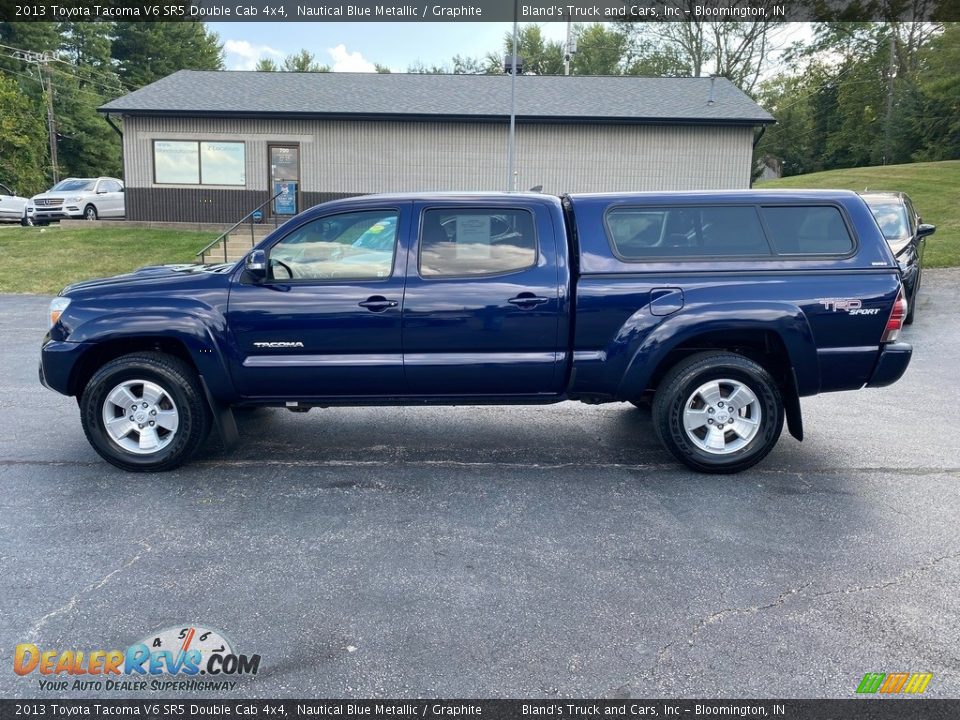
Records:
x=725, y=308
x=906, y=233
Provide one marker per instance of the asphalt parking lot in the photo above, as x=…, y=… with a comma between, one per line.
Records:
x=501, y=552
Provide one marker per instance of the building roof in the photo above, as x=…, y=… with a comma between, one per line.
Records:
x=548, y=98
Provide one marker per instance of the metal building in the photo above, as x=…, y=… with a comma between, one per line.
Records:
x=211, y=146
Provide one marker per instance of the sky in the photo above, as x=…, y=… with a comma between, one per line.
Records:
x=355, y=47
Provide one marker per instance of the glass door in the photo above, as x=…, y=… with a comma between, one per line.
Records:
x=284, y=179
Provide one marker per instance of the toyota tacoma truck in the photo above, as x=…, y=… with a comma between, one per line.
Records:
x=720, y=310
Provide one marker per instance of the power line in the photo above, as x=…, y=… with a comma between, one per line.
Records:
x=42, y=62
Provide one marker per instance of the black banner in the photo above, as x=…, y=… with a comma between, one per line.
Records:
x=854, y=709
x=539, y=11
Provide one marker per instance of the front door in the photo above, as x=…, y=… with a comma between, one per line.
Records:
x=483, y=302
x=284, y=180
x=326, y=321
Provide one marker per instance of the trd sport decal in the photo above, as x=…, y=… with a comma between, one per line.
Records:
x=852, y=306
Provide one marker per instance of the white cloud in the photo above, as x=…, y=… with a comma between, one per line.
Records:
x=344, y=61
x=243, y=55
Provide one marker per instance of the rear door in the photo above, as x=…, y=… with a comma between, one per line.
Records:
x=326, y=322
x=483, y=300
x=109, y=198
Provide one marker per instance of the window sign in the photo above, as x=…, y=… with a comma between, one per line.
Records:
x=176, y=162
x=192, y=162
x=222, y=163
x=473, y=237
x=286, y=202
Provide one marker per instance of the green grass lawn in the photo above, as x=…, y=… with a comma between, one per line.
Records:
x=43, y=260
x=934, y=188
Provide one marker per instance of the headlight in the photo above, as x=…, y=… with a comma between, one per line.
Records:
x=79, y=198
x=57, y=306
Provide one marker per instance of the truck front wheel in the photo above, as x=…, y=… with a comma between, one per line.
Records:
x=718, y=412
x=145, y=412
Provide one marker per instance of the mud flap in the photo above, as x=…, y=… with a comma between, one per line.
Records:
x=791, y=405
x=223, y=419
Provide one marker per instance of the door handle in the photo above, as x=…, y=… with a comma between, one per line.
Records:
x=377, y=303
x=527, y=300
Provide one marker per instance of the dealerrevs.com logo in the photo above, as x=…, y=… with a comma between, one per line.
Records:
x=171, y=660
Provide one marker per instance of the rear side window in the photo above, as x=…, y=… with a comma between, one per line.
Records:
x=459, y=242
x=812, y=230
x=688, y=231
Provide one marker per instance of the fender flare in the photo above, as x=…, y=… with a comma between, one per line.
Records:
x=787, y=321
x=195, y=331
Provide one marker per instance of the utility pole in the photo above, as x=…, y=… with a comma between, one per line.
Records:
x=42, y=62
x=891, y=70
x=512, y=140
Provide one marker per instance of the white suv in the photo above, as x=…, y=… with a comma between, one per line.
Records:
x=89, y=198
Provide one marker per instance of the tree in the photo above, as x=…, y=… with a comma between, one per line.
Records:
x=738, y=51
x=303, y=62
x=148, y=51
x=266, y=65
x=540, y=56
x=936, y=119
x=600, y=50
x=23, y=140
x=83, y=78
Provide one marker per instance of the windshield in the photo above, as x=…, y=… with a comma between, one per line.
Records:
x=891, y=217
x=73, y=185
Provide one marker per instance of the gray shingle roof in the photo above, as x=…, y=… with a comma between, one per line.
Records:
x=556, y=98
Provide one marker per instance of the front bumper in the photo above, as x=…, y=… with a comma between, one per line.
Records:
x=892, y=363
x=56, y=213
x=57, y=362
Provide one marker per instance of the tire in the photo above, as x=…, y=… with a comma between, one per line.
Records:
x=163, y=383
x=90, y=213
x=751, y=431
x=26, y=221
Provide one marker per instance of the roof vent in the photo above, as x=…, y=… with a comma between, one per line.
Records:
x=713, y=90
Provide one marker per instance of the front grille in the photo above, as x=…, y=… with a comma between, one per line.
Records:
x=48, y=202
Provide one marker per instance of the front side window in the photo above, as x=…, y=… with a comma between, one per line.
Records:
x=349, y=246
x=687, y=231
x=461, y=242
x=807, y=230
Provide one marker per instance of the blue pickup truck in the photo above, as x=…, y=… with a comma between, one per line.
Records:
x=720, y=309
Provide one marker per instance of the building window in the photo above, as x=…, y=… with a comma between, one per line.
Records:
x=190, y=162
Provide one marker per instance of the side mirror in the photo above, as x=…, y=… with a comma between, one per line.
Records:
x=256, y=264
x=926, y=229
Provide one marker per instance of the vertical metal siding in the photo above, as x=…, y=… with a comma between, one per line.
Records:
x=351, y=157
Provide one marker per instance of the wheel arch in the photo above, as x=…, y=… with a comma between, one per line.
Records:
x=783, y=344
x=183, y=337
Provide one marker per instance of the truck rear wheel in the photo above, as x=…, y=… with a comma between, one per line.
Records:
x=145, y=412
x=718, y=412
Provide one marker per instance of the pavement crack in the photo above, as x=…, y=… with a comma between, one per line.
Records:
x=884, y=584
x=718, y=617
x=92, y=587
